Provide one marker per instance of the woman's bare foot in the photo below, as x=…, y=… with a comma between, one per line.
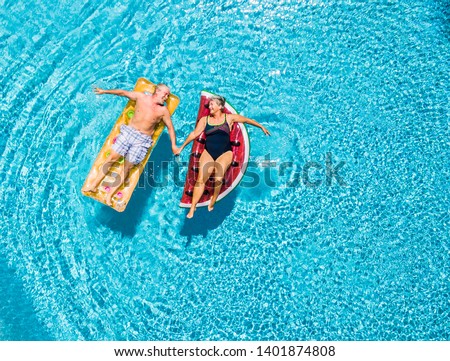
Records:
x=212, y=203
x=191, y=213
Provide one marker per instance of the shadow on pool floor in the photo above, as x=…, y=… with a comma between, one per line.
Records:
x=203, y=220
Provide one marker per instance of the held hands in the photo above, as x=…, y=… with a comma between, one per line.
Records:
x=176, y=151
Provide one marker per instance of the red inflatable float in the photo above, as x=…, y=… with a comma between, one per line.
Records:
x=240, y=146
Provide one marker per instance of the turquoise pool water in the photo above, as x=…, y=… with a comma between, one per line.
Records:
x=365, y=82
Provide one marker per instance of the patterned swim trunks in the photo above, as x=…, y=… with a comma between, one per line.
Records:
x=132, y=144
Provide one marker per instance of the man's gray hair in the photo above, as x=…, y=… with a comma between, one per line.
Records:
x=162, y=85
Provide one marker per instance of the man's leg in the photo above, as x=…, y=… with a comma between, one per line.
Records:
x=102, y=171
x=124, y=170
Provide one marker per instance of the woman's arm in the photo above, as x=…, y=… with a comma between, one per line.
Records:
x=119, y=92
x=236, y=118
x=194, y=134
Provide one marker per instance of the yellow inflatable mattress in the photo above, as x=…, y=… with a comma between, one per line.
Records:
x=123, y=194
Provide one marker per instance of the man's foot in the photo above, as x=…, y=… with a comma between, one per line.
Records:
x=108, y=201
x=89, y=188
x=120, y=205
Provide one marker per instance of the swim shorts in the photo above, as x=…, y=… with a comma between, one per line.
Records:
x=132, y=144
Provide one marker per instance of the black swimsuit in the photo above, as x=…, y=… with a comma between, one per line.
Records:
x=217, y=138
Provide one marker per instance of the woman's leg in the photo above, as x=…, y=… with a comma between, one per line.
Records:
x=206, y=167
x=221, y=165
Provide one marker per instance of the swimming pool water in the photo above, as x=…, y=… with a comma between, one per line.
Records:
x=366, y=82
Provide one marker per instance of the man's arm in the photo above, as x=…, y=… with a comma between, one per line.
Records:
x=199, y=128
x=119, y=92
x=173, y=139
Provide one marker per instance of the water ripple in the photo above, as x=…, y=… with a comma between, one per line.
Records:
x=272, y=262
